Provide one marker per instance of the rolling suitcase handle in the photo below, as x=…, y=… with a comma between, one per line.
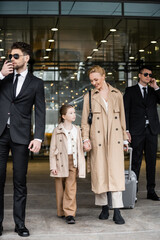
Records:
x=130, y=150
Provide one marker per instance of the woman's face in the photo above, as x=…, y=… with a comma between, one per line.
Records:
x=97, y=80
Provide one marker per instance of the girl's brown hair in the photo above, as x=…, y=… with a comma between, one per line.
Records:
x=63, y=111
x=96, y=69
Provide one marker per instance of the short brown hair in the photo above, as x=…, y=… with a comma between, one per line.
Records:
x=96, y=69
x=63, y=111
x=24, y=47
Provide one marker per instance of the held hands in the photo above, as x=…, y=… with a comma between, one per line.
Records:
x=54, y=172
x=34, y=146
x=7, y=68
x=87, y=146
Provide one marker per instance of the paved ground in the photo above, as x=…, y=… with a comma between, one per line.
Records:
x=142, y=222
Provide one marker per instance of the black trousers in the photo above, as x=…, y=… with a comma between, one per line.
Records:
x=146, y=142
x=20, y=154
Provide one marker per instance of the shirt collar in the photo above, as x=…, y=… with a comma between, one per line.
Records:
x=141, y=86
x=23, y=74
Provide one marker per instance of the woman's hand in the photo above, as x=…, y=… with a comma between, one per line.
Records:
x=87, y=145
x=126, y=147
x=54, y=171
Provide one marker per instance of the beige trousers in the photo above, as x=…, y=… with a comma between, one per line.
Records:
x=66, y=189
x=102, y=199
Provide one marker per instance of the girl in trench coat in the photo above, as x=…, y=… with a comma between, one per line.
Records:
x=105, y=139
x=66, y=162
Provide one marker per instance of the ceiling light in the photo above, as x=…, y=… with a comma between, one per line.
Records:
x=72, y=77
x=48, y=49
x=141, y=50
x=0, y=40
x=103, y=41
x=1, y=49
x=153, y=41
x=89, y=57
x=113, y=30
x=51, y=40
x=45, y=57
x=95, y=50
x=131, y=57
x=3, y=57
x=54, y=29
x=109, y=73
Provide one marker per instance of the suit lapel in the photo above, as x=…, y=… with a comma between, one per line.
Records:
x=25, y=84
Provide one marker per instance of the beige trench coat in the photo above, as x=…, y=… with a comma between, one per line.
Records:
x=107, y=133
x=59, y=153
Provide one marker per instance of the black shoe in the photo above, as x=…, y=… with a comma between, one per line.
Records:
x=105, y=213
x=70, y=220
x=153, y=196
x=21, y=230
x=1, y=229
x=117, y=218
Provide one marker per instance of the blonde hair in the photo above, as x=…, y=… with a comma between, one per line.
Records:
x=63, y=111
x=97, y=69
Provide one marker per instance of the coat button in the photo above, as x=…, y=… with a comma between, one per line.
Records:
x=60, y=140
x=116, y=129
x=99, y=144
x=98, y=131
x=61, y=165
x=60, y=153
x=118, y=142
x=97, y=117
x=115, y=117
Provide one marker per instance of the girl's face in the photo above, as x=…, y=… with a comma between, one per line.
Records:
x=70, y=115
x=97, y=80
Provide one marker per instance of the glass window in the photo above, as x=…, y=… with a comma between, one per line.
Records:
x=142, y=9
x=90, y=8
x=29, y=7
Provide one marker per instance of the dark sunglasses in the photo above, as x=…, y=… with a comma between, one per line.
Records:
x=15, y=56
x=146, y=74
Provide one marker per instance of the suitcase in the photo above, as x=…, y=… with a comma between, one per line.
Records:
x=129, y=195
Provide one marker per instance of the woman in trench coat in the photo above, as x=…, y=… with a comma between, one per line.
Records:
x=105, y=138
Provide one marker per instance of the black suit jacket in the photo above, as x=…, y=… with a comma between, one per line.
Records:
x=136, y=109
x=20, y=108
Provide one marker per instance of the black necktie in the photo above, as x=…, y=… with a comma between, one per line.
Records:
x=144, y=93
x=15, y=85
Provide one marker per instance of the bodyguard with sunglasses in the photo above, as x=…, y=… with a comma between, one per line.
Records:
x=19, y=91
x=143, y=125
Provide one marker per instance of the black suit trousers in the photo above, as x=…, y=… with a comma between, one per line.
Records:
x=146, y=142
x=20, y=154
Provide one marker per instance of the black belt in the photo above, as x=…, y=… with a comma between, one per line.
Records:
x=8, y=125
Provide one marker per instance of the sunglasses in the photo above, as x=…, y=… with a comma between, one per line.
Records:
x=146, y=74
x=15, y=56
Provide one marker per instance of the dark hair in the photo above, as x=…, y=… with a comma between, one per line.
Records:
x=145, y=67
x=63, y=111
x=24, y=47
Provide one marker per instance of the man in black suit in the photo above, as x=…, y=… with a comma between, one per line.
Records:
x=19, y=91
x=142, y=123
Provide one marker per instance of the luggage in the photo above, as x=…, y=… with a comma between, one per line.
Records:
x=129, y=195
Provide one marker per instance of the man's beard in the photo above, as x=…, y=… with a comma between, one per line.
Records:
x=16, y=67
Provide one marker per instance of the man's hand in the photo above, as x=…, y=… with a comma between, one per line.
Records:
x=7, y=68
x=153, y=83
x=34, y=146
